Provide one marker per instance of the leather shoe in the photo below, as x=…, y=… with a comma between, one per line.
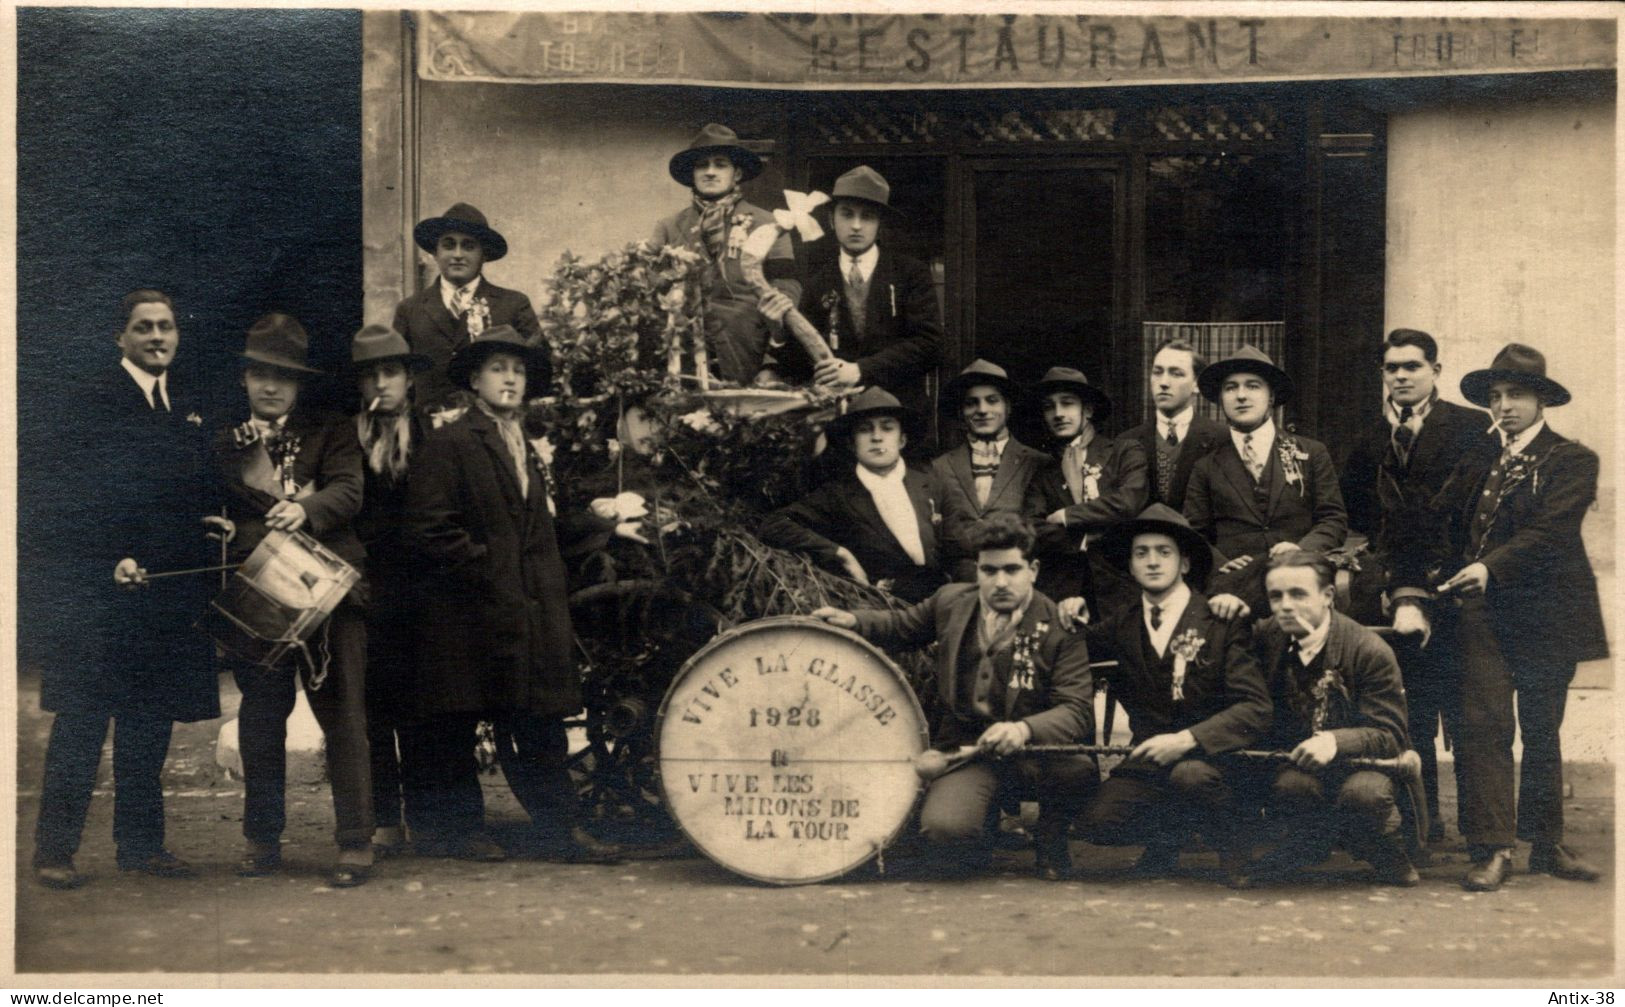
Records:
x=1157, y=860
x=1399, y=872
x=388, y=841
x=579, y=847
x=353, y=868
x=61, y=876
x=1561, y=862
x=1488, y=875
x=1053, y=859
x=259, y=860
x=162, y=864
x=481, y=849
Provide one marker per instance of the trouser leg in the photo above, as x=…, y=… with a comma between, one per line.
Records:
x=1298, y=801
x=340, y=707
x=1064, y=785
x=954, y=815
x=1425, y=695
x=1127, y=809
x=1487, y=807
x=1543, y=691
x=71, y=757
x=140, y=746
x=262, y=735
x=1368, y=815
x=533, y=750
x=441, y=778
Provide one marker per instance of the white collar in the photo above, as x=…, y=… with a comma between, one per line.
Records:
x=1181, y=421
x=1526, y=438
x=866, y=262
x=1418, y=412
x=1170, y=611
x=1312, y=644
x=1263, y=439
x=268, y=426
x=996, y=445
x=1081, y=442
x=989, y=615
x=448, y=290
x=153, y=386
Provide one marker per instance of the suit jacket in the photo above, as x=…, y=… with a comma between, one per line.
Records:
x=1365, y=708
x=1220, y=505
x=495, y=636
x=1226, y=701
x=737, y=333
x=1388, y=501
x=842, y=513
x=1542, y=590
x=328, y=466
x=136, y=485
x=960, y=512
x=901, y=340
x=432, y=331
x=1059, y=708
x=1066, y=570
x=1201, y=438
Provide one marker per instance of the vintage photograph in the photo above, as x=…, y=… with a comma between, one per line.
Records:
x=1111, y=493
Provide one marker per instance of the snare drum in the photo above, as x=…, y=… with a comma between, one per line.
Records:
x=278, y=598
x=786, y=750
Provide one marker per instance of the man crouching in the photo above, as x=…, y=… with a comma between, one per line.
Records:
x=1009, y=675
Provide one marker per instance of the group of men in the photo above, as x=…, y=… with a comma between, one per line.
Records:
x=1197, y=556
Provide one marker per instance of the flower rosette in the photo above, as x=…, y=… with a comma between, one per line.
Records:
x=1023, y=667
x=1292, y=456
x=1187, y=648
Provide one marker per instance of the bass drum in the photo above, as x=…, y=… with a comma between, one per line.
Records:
x=787, y=749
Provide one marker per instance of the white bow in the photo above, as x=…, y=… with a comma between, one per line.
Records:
x=799, y=215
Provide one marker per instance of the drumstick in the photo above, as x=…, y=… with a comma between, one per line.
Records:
x=182, y=573
x=930, y=764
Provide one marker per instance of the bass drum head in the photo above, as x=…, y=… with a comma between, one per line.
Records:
x=787, y=750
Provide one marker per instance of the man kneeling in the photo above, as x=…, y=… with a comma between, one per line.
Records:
x=1337, y=694
x=1193, y=692
x=1008, y=675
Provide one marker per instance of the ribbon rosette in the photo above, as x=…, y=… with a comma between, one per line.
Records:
x=1187, y=648
x=799, y=216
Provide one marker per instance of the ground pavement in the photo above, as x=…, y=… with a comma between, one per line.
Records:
x=688, y=917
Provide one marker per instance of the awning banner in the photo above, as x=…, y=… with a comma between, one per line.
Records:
x=986, y=50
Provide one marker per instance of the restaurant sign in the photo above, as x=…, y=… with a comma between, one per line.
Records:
x=986, y=50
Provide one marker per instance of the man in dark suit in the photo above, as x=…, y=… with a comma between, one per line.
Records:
x=989, y=473
x=1264, y=493
x=1337, y=694
x=133, y=660
x=877, y=309
x=462, y=303
x=1096, y=483
x=1529, y=613
x=1395, y=470
x=287, y=469
x=1176, y=435
x=1193, y=692
x=877, y=522
x=1009, y=675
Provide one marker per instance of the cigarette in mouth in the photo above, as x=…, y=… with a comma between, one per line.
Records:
x=372, y=406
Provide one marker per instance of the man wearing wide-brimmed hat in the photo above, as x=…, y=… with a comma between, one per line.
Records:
x=289, y=469
x=461, y=303
x=1529, y=613
x=391, y=433
x=494, y=639
x=739, y=320
x=1095, y=483
x=1265, y=491
x=989, y=473
x=877, y=308
x=876, y=522
x=1192, y=690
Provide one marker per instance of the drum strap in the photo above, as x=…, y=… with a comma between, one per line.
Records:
x=316, y=672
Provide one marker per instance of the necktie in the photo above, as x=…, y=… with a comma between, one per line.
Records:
x=1511, y=448
x=1403, y=435
x=1072, y=460
x=1173, y=437
x=1001, y=622
x=857, y=293
x=1156, y=617
x=1250, y=458
x=460, y=301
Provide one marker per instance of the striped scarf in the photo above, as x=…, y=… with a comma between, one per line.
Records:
x=714, y=215
x=514, y=438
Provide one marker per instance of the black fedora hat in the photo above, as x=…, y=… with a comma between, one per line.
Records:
x=865, y=185
x=377, y=343
x=713, y=139
x=874, y=401
x=1117, y=544
x=461, y=217
x=502, y=339
x=980, y=372
x=1516, y=362
x=1248, y=359
x=279, y=341
x=1058, y=379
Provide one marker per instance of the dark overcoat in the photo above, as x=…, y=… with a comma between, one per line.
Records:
x=393, y=613
x=138, y=488
x=495, y=633
x=901, y=339
x=1018, y=466
x=432, y=331
x=1542, y=591
x=842, y=513
x=1066, y=570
